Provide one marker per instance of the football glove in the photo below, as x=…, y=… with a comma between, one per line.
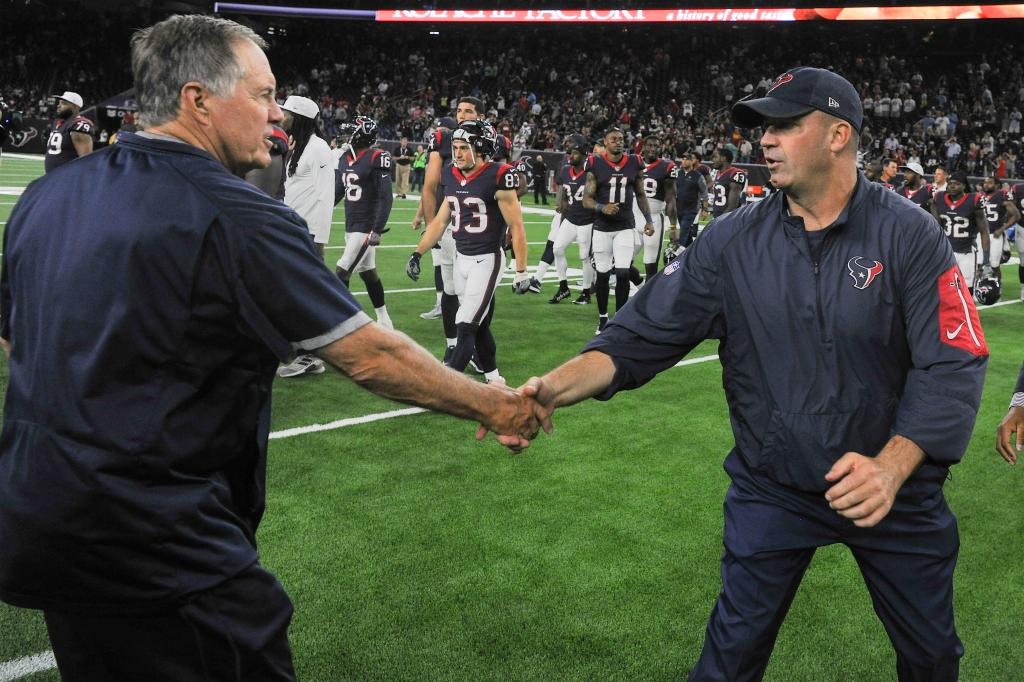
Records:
x=375, y=236
x=521, y=283
x=412, y=268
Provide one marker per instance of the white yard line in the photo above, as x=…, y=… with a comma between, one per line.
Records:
x=24, y=157
x=30, y=665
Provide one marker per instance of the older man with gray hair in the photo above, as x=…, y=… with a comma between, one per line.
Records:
x=143, y=335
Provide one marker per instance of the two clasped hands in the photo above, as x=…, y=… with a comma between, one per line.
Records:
x=519, y=419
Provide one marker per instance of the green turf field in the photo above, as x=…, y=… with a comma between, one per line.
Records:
x=413, y=552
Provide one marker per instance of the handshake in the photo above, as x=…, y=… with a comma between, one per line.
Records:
x=517, y=416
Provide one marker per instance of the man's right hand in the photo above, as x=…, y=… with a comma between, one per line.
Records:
x=610, y=209
x=416, y=222
x=1006, y=444
x=539, y=405
x=412, y=268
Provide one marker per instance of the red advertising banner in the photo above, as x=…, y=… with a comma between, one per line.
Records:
x=936, y=13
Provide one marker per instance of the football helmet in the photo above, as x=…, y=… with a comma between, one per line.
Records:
x=360, y=133
x=987, y=291
x=576, y=141
x=479, y=135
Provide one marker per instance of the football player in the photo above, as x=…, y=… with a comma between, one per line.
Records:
x=547, y=257
x=914, y=187
x=613, y=180
x=660, y=187
x=1016, y=195
x=576, y=221
x=961, y=215
x=438, y=157
x=309, y=185
x=727, y=190
x=364, y=179
x=480, y=203
x=691, y=202
x=72, y=134
x=1000, y=213
x=309, y=190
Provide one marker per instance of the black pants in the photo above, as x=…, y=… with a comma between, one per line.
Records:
x=237, y=631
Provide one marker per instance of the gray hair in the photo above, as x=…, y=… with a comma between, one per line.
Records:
x=181, y=49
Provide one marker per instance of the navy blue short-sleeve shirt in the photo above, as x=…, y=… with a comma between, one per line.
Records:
x=148, y=295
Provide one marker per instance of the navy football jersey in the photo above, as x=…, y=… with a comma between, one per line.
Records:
x=1016, y=195
x=995, y=209
x=615, y=186
x=359, y=175
x=525, y=166
x=720, y=189
x=59, y=148
x=957, y=219
x=922, y=197
x=441, y=142
x=575, y=185
x=477, y=223
x=656, y=176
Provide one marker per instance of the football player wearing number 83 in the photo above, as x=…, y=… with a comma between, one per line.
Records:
x=481, y=202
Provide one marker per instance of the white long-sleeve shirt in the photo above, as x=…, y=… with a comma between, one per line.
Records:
x=310, y=191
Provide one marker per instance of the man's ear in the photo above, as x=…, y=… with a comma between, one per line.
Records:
x=840, y=135
x=194, y=101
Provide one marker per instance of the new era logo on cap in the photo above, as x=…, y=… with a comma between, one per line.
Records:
x=832, y=103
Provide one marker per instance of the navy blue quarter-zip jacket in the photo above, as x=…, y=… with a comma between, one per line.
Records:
x=825, y=348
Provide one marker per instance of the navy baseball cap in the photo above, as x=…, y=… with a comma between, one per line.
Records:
x=801, y=91
x=448, y=122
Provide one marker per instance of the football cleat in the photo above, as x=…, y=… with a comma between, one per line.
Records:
x=433, y=313
x=448, y=352
x=583, y=299
x=560, y=295
x=602, y=322
x=474, y=362
x=304, y=364
x=535, y=285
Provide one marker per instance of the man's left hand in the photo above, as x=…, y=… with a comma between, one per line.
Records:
x=648, y=229
x=866, y=488
x=1012, y=424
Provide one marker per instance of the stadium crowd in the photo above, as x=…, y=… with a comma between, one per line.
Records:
x=964, y=113
x=925, y=100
